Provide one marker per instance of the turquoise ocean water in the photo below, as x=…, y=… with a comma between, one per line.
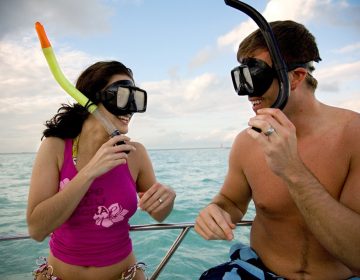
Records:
x=195, y=174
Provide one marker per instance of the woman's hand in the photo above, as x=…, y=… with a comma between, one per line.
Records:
x=108, y=156
x=158, y=200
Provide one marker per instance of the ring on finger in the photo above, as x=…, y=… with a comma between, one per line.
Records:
x=160, y=200
x=270, y=131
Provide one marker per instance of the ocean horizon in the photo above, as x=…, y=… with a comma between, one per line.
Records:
x=148, y=149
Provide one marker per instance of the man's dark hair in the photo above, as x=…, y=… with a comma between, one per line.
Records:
x=297, y=45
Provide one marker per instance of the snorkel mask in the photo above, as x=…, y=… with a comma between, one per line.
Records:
x=248, y=77
x=123, y=98
x=253, y=77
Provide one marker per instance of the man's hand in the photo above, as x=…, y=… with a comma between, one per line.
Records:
x=214, y=223
x=278, y=140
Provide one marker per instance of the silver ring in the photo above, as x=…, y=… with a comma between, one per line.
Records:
x=160, y=200
x=269, y=131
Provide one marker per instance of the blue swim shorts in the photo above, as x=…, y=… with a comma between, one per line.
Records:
x=244, y=264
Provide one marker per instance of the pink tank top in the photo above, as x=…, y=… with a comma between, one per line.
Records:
x=97, y=233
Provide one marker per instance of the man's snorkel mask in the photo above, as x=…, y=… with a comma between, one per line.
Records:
x=247, y=78
x=253, y=77
x=123, y=98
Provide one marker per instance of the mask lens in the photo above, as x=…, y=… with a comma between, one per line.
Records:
x=140, y=100
x=242, y=80
x=253, y=77
x=122, y=97
x=248, y=83
x=235, y=75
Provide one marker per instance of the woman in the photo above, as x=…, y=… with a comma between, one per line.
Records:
x=84, y=185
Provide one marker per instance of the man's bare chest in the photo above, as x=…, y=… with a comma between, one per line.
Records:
x=327, y=160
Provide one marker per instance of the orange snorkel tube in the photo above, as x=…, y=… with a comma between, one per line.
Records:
x=69, y=87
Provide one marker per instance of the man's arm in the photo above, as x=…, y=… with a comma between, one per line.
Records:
x=217, y=220
x=335, y=224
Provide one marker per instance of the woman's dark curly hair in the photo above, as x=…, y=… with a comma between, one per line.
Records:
x=68, y=121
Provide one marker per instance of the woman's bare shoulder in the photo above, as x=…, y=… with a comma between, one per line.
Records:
x=138, y=145
x=52, y=144
x=51, y=148
x=139, y=154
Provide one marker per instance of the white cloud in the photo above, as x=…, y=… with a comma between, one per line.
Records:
x=24, y=70
x=235, y=36
x=182, y=112
x=275, y=10
x=82, y=17
x=29, y=93
x=301, y=10
x=341, y=72
x=185, y=96
x=30, y=96
x=349, y=49
x=338, y=85
x=202, y=57
x=304, y=11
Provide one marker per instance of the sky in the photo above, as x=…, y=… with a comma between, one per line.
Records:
x=181, y=53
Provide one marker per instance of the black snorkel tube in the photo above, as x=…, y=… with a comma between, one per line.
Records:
x=276, y=57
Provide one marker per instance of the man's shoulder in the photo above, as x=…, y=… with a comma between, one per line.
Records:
x=244, y=143
x=342, y=117
x=344, y=112
x=243, y=138
x=347, y=123
x=352, y=127
x=347, y=118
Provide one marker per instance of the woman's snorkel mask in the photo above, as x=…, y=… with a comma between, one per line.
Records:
x=253, y=77
x=123, y=98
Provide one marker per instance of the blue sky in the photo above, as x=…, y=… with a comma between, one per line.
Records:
x=181, y=52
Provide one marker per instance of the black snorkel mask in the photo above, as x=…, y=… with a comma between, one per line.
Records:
x=253, y=77
x=249, y=78
x=123, y=98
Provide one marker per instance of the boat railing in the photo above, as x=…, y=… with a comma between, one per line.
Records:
x=185, y=227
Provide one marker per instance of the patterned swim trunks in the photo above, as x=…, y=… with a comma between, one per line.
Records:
x=244, y=264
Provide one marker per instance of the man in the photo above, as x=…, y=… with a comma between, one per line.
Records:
x=302, y=171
